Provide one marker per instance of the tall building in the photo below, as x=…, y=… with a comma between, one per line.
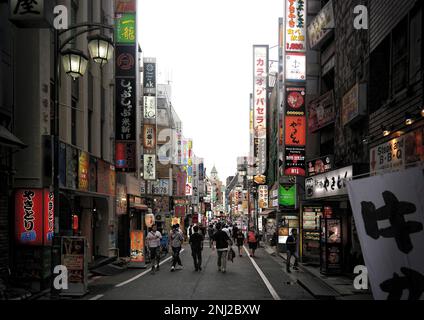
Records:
x=86, y=155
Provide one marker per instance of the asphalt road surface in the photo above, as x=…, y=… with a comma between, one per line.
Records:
x=260, y=278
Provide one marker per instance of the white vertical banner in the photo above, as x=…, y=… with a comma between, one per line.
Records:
x=389, y=217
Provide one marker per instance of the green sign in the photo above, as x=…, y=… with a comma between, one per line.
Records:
x=287, y=195
x=126, y=28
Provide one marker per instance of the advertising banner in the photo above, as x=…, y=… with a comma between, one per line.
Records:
x=125, y=28
x=125, y=6
x=137, y=246
x=398, y=153
x=73, y=257
x=149, y=167
x=125, y=156
x=149, y=107
x=295, y=66
x=48, y=217
x=149, y=76
x=295, y=17
x=83, y=171
x=332, y=183
x=29, y=220
x=125, y=109
x=321, y=26
x=263, y=196
x=321, y=112
x=295, y=131
x=389, y=217
x=294, y=164
x=295, y=101
x=260, y=90
x=126, y=57
x=287, y=196
x=161, y=187
x=320, y=165
x=149, y=136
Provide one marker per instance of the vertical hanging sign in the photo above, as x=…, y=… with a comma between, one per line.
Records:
x=125, y=84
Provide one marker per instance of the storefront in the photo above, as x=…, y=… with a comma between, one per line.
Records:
x=326, y=223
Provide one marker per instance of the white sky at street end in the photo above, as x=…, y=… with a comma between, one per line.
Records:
x=205, y=48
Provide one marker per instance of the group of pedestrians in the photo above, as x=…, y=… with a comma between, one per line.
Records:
x=221, y=238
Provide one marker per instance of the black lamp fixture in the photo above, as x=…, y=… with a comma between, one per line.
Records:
x=74, y=62
x=101, y=49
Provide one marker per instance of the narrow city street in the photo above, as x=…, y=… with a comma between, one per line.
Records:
x=264, y=278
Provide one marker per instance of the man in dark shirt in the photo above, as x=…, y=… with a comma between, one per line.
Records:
x=196, y=242
x=221, y=240
x=291, y=244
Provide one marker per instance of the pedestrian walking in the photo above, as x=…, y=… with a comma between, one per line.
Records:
x=291, y=244
x=235, y=232
x=252, y=240
x=196, y=243
x=153, y=242
x=240, y=241
x=222, y=241
x=211, y=231
x=176, y=240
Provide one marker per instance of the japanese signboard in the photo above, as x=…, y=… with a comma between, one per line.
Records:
x=149, y=78
x=29, y=218
x=105, y=178
x=389, y=217
x=321, y=112
x=149, y=167
x=125, y=6
x=263, y=196
x=125, y=156
x=48, y=217
x=83, y=171
x=31, y=14
x=71, y=167
x=332, y=183
x=354, y=103
x=260, y=90
x=125, y=28
x=149, y=106
x=125, y=60
x=125, y=109
x=321, y=26
x=294, y=164
x=149, y=136
x=295, y=66
x=295, y=101
x=287, y=196
x=320, y=165
x=295, y=17
x=295, y=131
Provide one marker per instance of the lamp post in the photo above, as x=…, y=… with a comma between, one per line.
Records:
x=74, y=63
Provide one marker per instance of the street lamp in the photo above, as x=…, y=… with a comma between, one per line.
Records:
x=101, y=49
x=74, y=63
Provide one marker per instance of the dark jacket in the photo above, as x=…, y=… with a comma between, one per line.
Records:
x=221, y=238
x=196, y=241
x=291, y=243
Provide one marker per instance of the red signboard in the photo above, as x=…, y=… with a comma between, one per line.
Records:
x=295, y=131
x=124, y=6
x=29, y=217
x=48, y=217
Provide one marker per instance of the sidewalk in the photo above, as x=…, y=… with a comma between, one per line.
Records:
x=321, y=286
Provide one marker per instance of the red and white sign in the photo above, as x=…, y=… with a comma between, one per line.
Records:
x=260, y=90
x=295, y=18
x=34, y=217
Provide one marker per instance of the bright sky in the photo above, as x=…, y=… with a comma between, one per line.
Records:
x=205, y=48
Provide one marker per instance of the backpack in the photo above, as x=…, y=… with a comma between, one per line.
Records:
x=251, y=237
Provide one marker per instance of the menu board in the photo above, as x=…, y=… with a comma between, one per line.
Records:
x=74, y=259
x=311, y=216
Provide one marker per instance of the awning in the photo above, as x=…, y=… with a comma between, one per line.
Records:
x=139, y=206
x=267, y=212
x=8, y=139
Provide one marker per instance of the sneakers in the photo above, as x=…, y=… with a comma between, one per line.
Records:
x=223, y=271
x=172, y=269
x=200, y=268
x=219, y=269
x=157, y=267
